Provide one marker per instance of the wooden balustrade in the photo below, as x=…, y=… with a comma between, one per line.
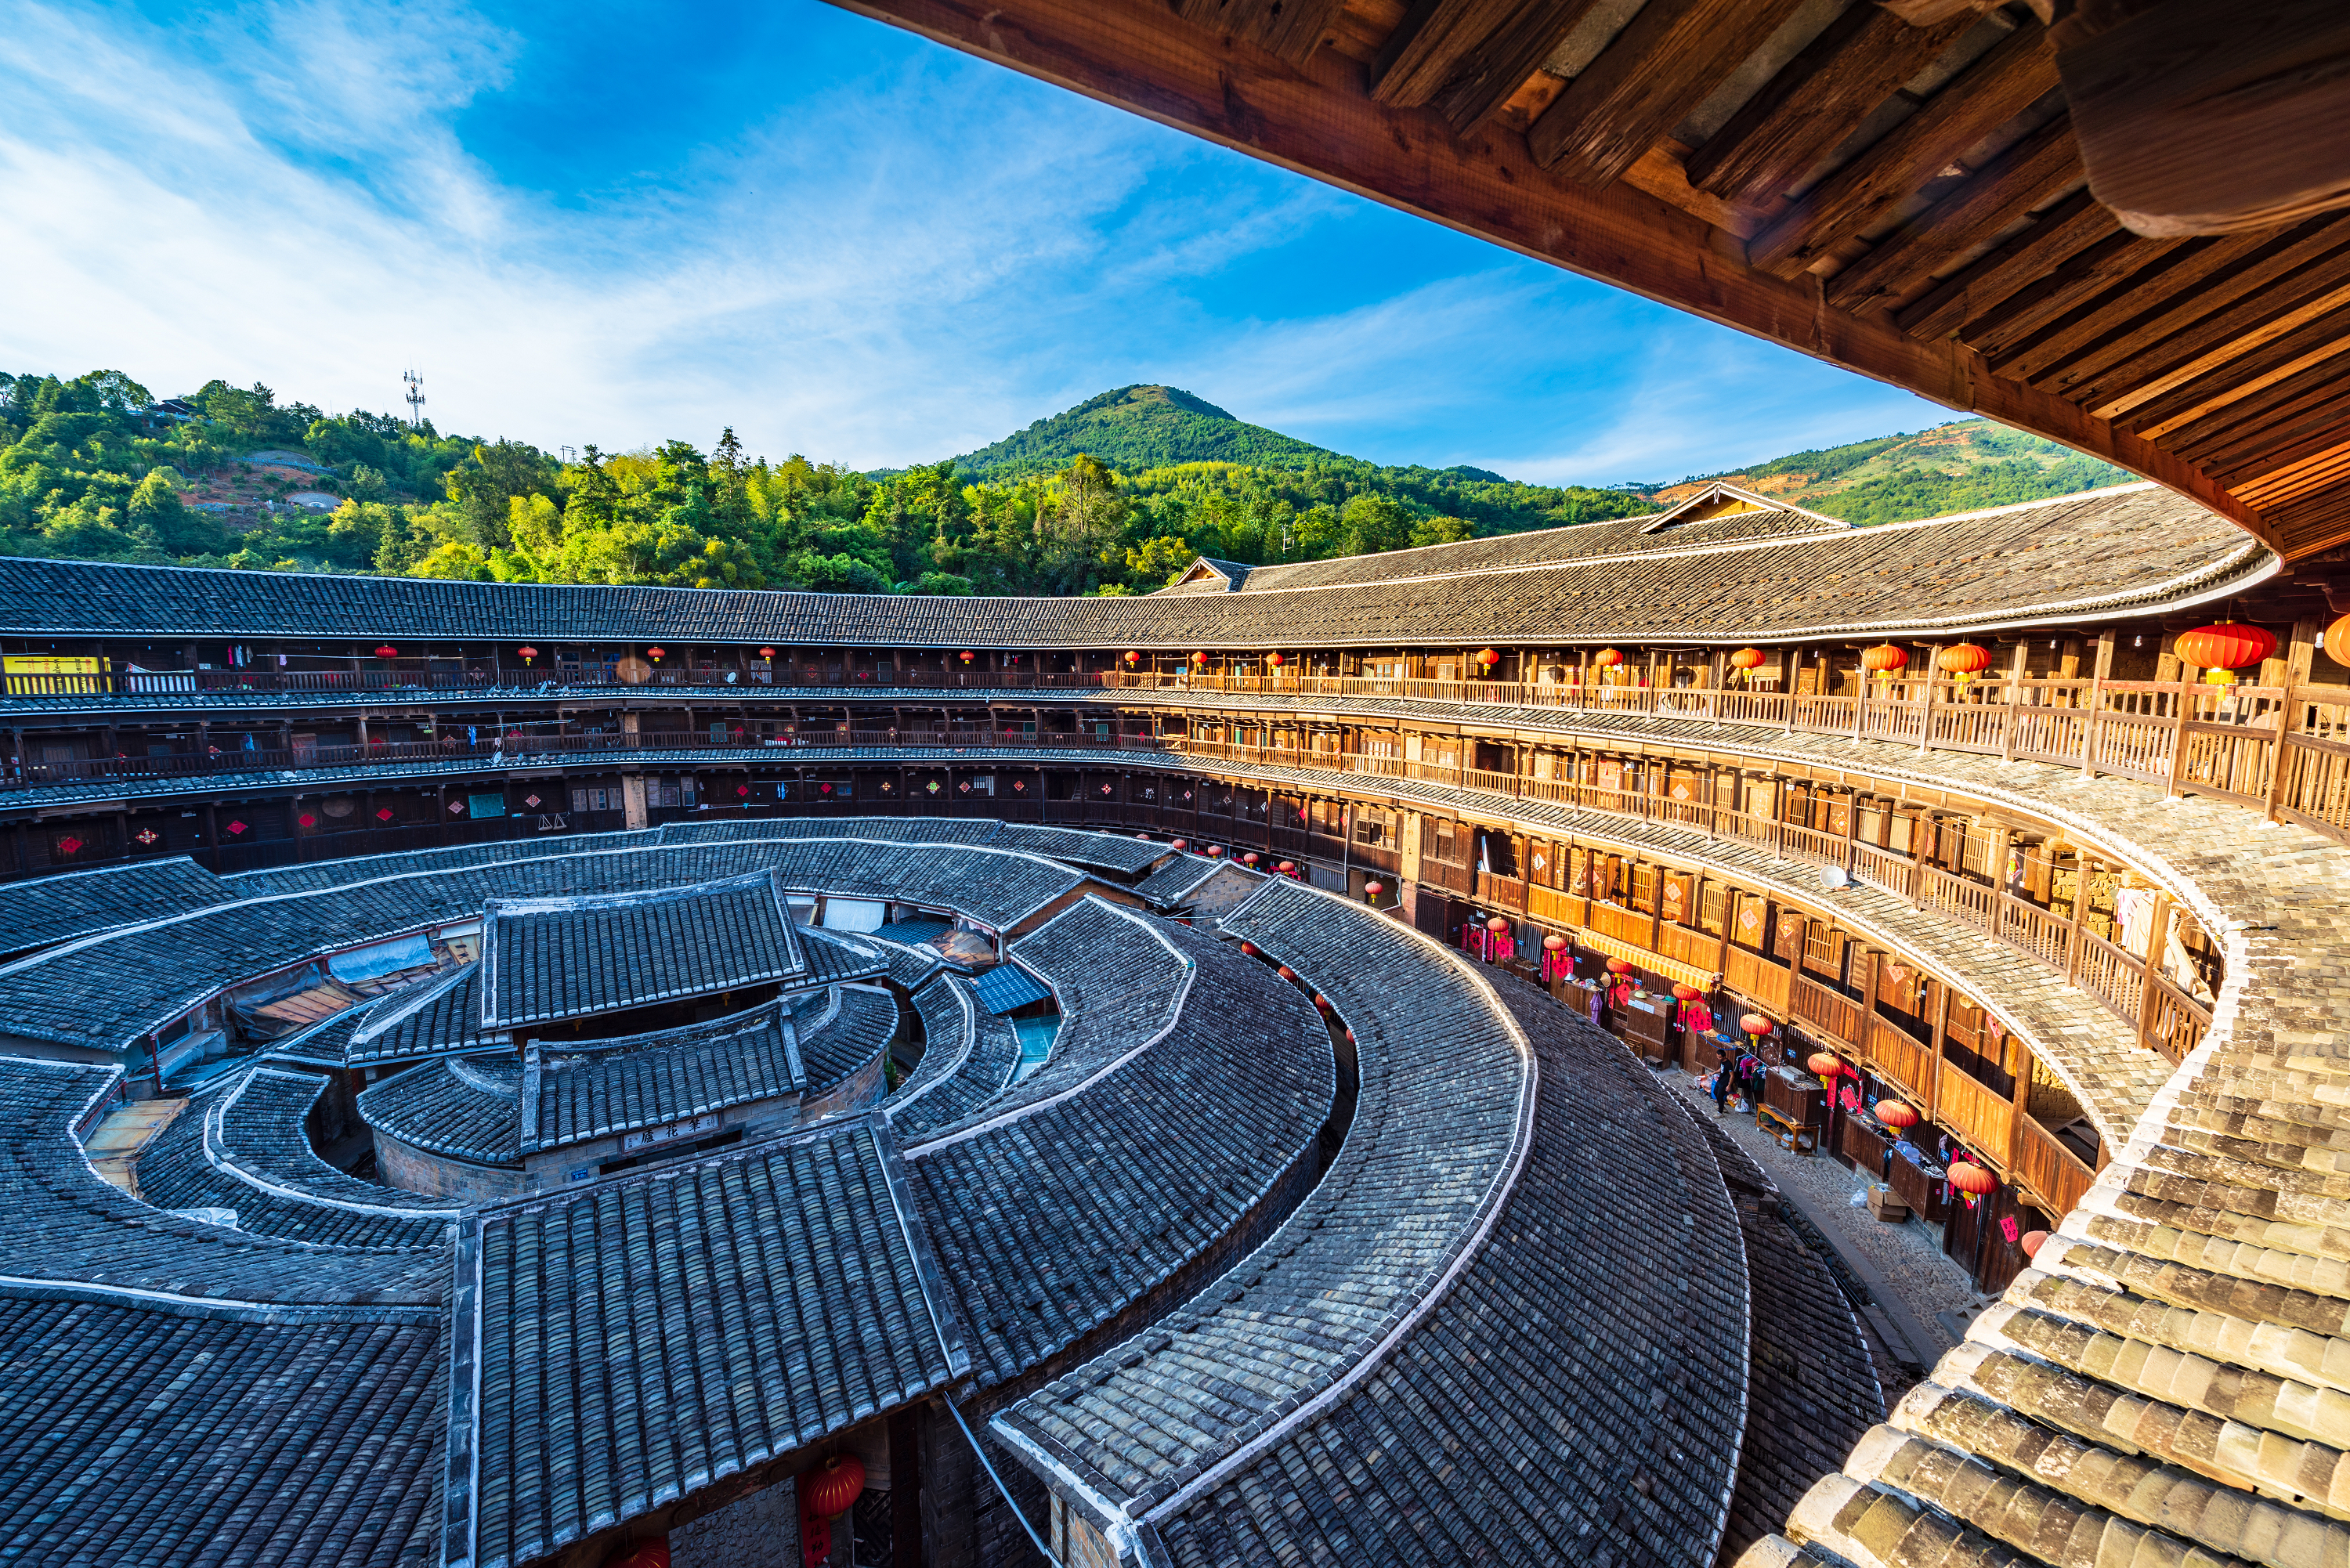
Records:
x=1903, y=1060
x=1983, y=1118
x=2056, y=1177
x=1826, y=1010
x=1751, y=974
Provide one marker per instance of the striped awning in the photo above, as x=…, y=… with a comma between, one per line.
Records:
x=1655, y=963
x=1007, y=986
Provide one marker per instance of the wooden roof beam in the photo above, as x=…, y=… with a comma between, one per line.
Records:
x=1319, y=119
x=1667, y=60
x=1483, y=49
x=1291, y=29
x=2026, y=178
x=2056, y=236
x=2010, y=77
x=1798, y=117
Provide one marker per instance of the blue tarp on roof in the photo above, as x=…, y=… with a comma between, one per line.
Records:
x=1007, y=986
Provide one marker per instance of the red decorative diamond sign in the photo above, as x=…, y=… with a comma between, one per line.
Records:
x=456, y=808
x=825, y=789
x=739, y=789
x=146, y=836
x=531, y=800
x=384, y=815
x=68, y=844
x=236, y=827
x=307, y=820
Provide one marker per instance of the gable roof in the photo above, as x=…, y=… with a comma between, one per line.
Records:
x=549, y=959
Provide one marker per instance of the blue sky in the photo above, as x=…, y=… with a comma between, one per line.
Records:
x=592, y=222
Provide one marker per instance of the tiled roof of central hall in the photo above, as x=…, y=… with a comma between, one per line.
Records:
x=1749, y=575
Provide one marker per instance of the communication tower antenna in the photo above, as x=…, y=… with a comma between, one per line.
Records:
x=415, y=398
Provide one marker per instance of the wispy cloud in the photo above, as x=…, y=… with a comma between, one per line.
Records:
x=886, y=252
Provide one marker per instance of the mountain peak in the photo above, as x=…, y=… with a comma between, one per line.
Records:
x=1136, y=428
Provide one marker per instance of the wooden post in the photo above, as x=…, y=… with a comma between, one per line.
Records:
x=2300, y=654
x=1926, y=710
x=2157, y=930
x=2100, y=672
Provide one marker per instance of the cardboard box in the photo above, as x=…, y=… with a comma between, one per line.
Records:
x=1886, y=1204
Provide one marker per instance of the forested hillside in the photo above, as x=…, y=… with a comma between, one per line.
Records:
x=96, y=468
x=1958, y=467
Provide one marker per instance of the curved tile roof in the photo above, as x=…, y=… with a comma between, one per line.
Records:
x=2113, y=548
x=855, y=1030
x=462, y=1107
x=597, y=1089
x=968, y=1058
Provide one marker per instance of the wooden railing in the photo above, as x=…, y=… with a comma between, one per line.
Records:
x=2057, y=1177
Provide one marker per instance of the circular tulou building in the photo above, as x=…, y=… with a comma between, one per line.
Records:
x=511, y=1076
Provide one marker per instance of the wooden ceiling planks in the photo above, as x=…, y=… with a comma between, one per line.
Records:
x=1668, y=59
x=1905, y=199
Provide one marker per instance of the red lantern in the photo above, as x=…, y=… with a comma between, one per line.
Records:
x=1972, y=1180
x=386, y=651
x=1553, y=944
x=1286, y=972
x=1214, y=850
x=1250, y=858
x=655, y=654
x=1321, y=1002
x=1883, y=659
x=1249, y=948
x=1619, y=966
x=1895, y=1115
x=766, y=653
x=966, y=655
x=1180, y=843
x=1201, y=659
x=1489, y=658
x=1287, y=868
x=1132, y=656
x=1274, y=660
x=648, y=1555
x=832, y=1487
x=1608, y=658
x=1825, y=1065
x=2220, y=650
x=2032, y=1242
x=1374, y=888
x=527, y=653
x=1747, y=659
x=1683, y=993
x=1754, y=1024
x=1963, y=661
x=1497, y=925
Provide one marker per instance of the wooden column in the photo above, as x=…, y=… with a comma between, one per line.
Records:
x=2292, y=672
x=2156, y=930
x=2100, y=672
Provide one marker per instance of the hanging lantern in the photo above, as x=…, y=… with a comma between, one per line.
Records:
x=1285, y=972
x=1554, y=943
x=1132, y=656
x=1250, y=858
x=1895, y=1115
x=2032, y=1242
x=1249, y=948
x=1287, y=868
x=1619, y=966
x=527, y=653
x=1683, y=991
x=1747, y=659
x=1200, y=660
x=1964, y=662
x=1754, y=1024
x=1883, y=659
x=1374, y=888
x=966, y=655
x=1608, y=658
x=1973, y=1180
x=386, y=651
x=1274, y=660
x=832, y=1487
x=1497, y=925
x=648, y=1555
x=1180, y=843
x=1214, y=850
x=655, y=654
x=2222, y=649
x=1321, y=1002
x=1826, y=1064
x=2337, y=640
x=766, y=653
x=1489, y=658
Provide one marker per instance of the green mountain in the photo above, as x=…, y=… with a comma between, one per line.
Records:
x=1963, y=466
x=1137, y=428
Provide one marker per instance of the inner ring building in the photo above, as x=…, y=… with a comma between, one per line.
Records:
x=503, y=1074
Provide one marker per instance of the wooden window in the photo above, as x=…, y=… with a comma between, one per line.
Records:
x=1714, y=911
x=1578, y=871
x=1789, y=944
x=1750, y=926
x=1823, y=950
x=1644, y=889
x=1679, y=896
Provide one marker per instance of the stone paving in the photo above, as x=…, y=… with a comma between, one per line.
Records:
x=1908, y=1257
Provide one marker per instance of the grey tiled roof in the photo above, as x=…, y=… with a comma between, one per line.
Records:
x=837, y=956
x=1113, y=852
x=650, y=1080
x=1052, y=1219
x=1571, y=1396
x=440, y=1016
x=53, y=908
x=843, y=1039
x=968, y=1059
x=318, y=875
x=239, y=1145
x=2114, y=546
x=899, y=829
x=544, y=959
x=645, y=1335
x=1120, y=980
x=135, y=1435
x=1166, y=886
x=463, y=1107
x=59, y=1223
